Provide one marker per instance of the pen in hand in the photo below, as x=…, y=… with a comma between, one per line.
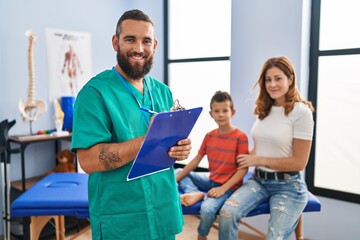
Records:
x=148, y=110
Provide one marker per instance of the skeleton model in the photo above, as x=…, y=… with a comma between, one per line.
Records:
x=31, y=109
x=59, y=120
x=59, y=116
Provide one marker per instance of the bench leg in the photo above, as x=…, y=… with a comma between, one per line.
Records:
x=299, y=229
x=260, y=233
x=60, y=228
x=87, y=228
x=39, y=222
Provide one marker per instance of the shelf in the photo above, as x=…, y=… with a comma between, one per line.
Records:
x=29, y=182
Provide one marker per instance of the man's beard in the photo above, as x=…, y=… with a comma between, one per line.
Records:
x=133, y=72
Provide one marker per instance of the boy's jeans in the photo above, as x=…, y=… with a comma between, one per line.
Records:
x=199, y=181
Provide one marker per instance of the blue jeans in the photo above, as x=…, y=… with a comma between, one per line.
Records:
x=287, y=199
x=200, y=181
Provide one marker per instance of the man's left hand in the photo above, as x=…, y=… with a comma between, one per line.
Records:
x=182, y=150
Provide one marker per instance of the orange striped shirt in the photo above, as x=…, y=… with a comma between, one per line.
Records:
x=221, y=151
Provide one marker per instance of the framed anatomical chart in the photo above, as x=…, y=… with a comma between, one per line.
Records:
x=69, y=61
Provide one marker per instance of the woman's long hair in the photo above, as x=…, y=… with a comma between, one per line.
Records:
x=264, y=102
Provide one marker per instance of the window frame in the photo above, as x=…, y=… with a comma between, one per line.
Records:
x=168, y=61
x=315, y=54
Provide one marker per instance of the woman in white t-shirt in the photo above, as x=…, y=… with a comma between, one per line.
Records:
x=282, y=135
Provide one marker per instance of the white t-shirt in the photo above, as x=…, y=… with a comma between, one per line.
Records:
x=274, y=134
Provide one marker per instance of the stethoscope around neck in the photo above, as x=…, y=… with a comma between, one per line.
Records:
x=125, y=83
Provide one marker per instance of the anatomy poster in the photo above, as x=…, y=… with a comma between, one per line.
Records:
x=69, y=61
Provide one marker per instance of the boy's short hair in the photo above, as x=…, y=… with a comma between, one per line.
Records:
x=221, y=96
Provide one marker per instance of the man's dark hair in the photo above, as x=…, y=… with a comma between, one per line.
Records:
x=220, y=96
x=134, y=14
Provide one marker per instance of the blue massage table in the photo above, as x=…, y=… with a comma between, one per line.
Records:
x=55, y=196
x=65, y=194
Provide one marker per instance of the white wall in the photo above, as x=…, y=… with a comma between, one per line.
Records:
x=259, y=33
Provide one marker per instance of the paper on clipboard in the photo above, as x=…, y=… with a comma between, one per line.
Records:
x=165, y=131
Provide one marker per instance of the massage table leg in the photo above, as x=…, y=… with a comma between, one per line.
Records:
x=38, y=223
x=299, y=229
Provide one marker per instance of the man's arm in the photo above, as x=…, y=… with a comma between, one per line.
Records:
x=108, y=156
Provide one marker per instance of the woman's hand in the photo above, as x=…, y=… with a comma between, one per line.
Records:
x=246, y=160
x=182, y=150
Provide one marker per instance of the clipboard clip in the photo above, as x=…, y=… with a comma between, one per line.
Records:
x=176, y=106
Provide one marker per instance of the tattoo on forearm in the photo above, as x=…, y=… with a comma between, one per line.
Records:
x=108, y=158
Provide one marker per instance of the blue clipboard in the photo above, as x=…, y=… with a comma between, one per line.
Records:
x=165, y=131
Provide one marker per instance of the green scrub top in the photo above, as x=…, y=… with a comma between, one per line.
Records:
x=146, y=208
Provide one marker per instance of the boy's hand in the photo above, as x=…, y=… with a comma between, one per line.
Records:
x=216, y=192
x=182, y=150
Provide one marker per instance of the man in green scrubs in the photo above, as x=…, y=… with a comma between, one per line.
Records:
x=108, y=130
